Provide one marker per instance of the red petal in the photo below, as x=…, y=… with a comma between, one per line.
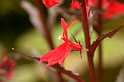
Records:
x=65, y=26
x=115, y=8
x=50, y=3
x=75, y=4
x=93, y=3
x=57, y=55
x=112, y=7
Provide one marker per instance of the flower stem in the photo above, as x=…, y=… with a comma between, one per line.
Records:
x=74, y=76
x=85, y=27
x=47, y=33
x=91, y=69
x=59, y=74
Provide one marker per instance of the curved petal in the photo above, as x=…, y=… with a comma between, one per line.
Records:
x=65, y=26
x=75, y=4
x=50, y=3
x=57, y=55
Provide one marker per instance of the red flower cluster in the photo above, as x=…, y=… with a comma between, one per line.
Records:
x=111, y=7
x=114, y=8
x=58, y=55
x=7, y=66
x=50, y=3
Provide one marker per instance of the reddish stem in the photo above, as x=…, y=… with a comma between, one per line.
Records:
x=91, y=69
x=85, y=24
x=47, y=32
x=85, y=27
x=77, y=78
x=59, y=74
x=103, y=36
x=59, y=68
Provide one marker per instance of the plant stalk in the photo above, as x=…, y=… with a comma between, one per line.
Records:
x=47, y=33
x=85, y=26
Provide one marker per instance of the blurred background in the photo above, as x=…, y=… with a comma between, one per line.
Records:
x=17, y=31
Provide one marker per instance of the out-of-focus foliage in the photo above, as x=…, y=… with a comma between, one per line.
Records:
x=13, y=22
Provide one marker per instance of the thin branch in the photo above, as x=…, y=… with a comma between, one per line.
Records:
x=59, y=74
x=102, y=37
x=37, y=18
x=85, y=25
x=44, y=21
x=59, y=68
x=74, y=76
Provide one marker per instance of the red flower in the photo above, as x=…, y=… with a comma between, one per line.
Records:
x=58, y=55
x=50, y=3
x=114, y=8
x=75, y=4
x=7, y=66
x=111, y=7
